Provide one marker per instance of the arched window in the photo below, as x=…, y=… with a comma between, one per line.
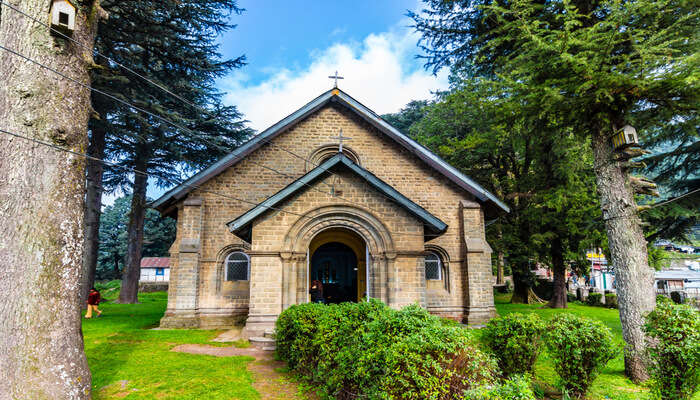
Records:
x=237, y=266
x=433, y=267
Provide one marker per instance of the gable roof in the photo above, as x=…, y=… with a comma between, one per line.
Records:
x=241, y=225
x=336, y=96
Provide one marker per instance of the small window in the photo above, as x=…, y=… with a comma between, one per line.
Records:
x=62, y=18
x=433, y=267
x=237, y=266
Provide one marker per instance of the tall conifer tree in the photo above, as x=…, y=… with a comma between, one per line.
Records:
x=595, y=66
x=173, y=44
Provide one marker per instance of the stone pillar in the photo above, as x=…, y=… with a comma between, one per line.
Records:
x=392, y=278
x=477, y=265
x=266, y=293
x=184, y=284
x=302, y=279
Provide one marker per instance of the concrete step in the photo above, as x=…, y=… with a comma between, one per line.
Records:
x=269, y=334
x=263, y=343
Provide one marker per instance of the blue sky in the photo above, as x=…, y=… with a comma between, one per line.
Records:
x=292, y=46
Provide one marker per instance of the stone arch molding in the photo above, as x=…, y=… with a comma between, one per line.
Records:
x=362, y=222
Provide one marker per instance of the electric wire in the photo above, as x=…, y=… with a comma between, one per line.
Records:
x=170, y=180
x=165, y=120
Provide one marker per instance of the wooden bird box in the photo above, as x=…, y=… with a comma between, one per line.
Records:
x=625, y=137
x=63, y=16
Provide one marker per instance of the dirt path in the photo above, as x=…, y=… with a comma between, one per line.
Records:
x=267, y=378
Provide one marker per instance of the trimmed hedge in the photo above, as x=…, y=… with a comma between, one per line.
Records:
x=675, y=351
x=593, y=299
x=368, y=350
x=611, y=300
x=516, y=341
x=580, y=348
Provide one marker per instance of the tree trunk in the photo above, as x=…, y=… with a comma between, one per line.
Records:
x=93, y=207
x=559, y=268
x=499, y=268
x=633, y=277
x=522, y=289
x=41, y=205
x=132, y=270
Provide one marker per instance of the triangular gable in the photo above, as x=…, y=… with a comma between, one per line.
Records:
x=337, y=96
x=241, y=225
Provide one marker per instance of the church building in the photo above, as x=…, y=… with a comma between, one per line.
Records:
x=331, y=193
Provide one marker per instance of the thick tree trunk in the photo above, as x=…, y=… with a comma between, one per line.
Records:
x=93, y=207
x=132, y=270
x=559, y=268
x=633, y=277
x=41, y=205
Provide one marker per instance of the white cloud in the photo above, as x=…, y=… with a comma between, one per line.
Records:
x=381, y=72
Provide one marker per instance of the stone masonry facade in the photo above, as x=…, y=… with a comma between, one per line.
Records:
x=199, y=296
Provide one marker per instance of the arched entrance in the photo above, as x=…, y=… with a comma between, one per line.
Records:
x=338, y=260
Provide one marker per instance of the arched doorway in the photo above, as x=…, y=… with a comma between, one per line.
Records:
x=338, y=260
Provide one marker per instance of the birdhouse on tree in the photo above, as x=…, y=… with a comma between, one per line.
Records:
x=63, y=15
x=625, y=137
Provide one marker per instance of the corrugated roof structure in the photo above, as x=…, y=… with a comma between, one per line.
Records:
x=155, y=262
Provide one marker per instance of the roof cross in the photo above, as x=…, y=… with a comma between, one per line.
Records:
x=335, y=78
x=340, y=139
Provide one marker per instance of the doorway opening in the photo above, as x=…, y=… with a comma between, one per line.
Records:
x=338, y=260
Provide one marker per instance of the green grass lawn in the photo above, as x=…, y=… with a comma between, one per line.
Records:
x=129, y=360
x=611, y=383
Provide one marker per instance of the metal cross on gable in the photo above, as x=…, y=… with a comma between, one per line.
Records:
x=335, y=78
x=340, y=139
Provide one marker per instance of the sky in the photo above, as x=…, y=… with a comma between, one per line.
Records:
x=292, y=47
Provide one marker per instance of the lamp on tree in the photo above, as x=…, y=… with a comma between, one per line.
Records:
x=63, y=16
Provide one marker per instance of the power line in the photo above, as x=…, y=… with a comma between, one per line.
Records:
x=172, y=181
x=162, y=87
x=165, y=120
x=159, y=86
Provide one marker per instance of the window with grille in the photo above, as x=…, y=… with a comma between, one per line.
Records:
x=433, y=267
x=237, y=264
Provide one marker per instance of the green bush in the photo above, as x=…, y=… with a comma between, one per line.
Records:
x=369, y=350
x=593, y=299
x=570, y=297
x=611, y=300
x=678, y=297
x=515, y=340
x=660, y=298
x=293, y=328
x=675, y=352
x=580, y=348
x=515, y=388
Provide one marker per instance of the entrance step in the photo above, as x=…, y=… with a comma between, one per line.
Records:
x=263, y=343
x=269, y=334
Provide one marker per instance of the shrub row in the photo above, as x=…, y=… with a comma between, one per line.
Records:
x=367, y=350
x=580, y=347
x=594, y=299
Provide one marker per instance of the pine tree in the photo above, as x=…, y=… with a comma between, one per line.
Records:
x=41, y=202
x=595, y=66
x=171, y=43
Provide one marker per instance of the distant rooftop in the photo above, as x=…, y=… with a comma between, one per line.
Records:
x=155, y=262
